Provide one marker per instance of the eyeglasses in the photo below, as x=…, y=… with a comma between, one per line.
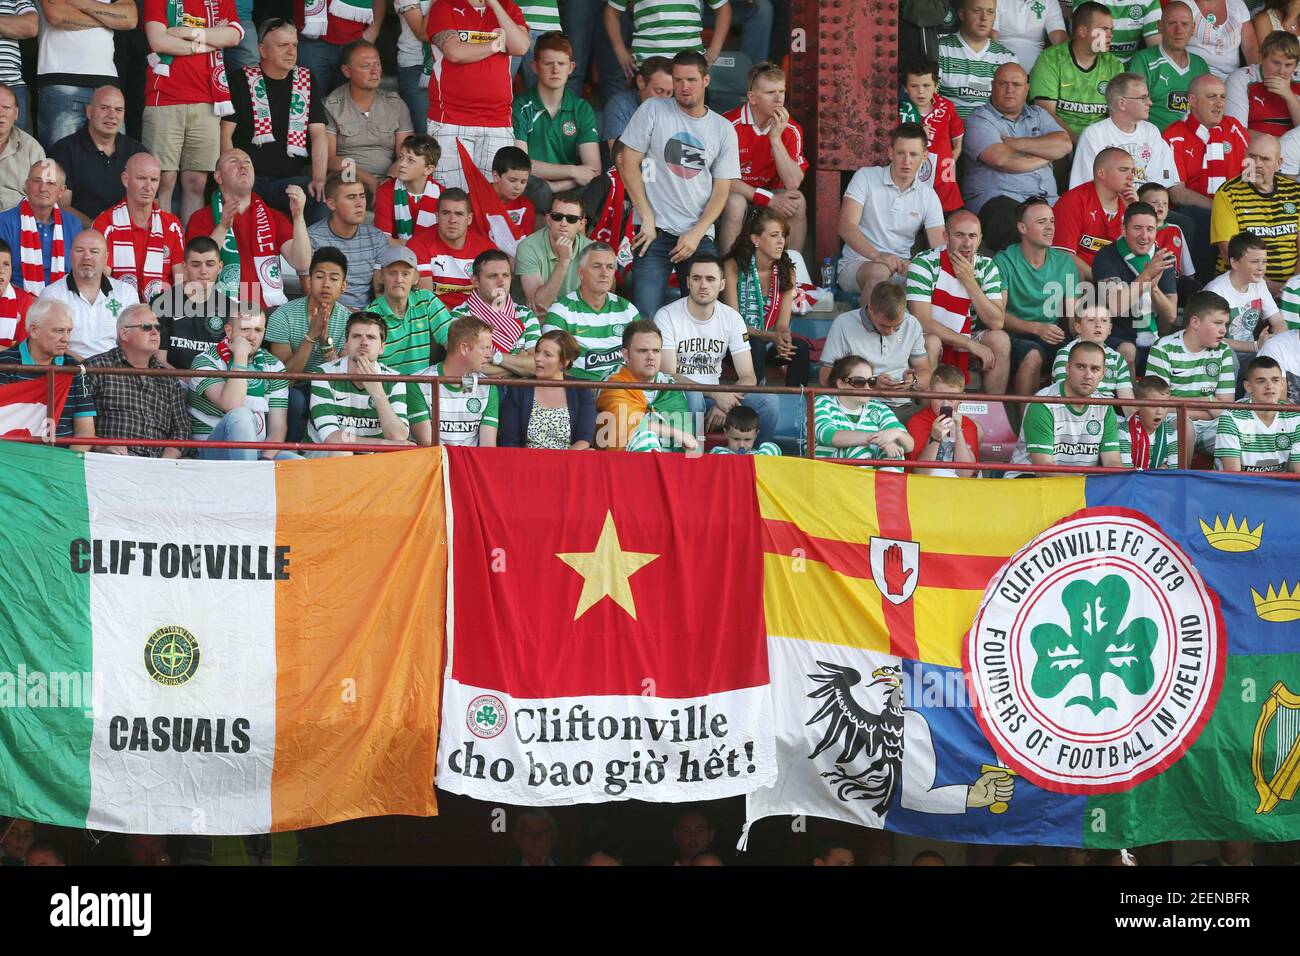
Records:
x=565, y=217
x=147, y=326
x=858, y=381
x=1146, y=97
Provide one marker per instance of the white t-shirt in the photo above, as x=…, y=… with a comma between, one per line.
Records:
x=1219, y=44
x=1290, y=141
x=86, y=53
x=891, y=217
x=1249, y=308
x=1022, y=26
x=1285, y=350
x=410, y=48
x=1153, y=160
x=701, y=346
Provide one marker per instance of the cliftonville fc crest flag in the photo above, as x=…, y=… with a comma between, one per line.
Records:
x=605, y=634
x=218, y=647
x=1098, y=662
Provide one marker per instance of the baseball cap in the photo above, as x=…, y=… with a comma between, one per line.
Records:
x=398, y=254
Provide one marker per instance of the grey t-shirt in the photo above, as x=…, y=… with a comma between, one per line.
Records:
x=853, y=334
x=986, y=127
x=364, y=250
x=683, y=156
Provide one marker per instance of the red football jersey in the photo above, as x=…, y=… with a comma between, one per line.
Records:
x=470, y=94
x=188, y=78
x=1083, y=227
x=1268, y=111
x=450, y=269
x=173, y=243
x=757, y=166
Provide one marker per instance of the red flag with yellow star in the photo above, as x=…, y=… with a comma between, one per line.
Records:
x=605, y=628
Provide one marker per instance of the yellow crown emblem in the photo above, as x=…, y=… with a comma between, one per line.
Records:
x=1280, y=606
x=1233, y=537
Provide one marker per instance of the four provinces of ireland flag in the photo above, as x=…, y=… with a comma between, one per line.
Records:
x=219, y=648
x=605, y=632
x=1097, y=662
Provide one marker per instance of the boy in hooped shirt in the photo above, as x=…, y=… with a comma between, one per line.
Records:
x=1092, y=323
x=1148, y=439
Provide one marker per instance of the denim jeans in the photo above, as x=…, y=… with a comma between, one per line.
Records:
x=272, y=192
x=530, y=68
x=238, y=425
x=61, y=111
x=584, y=25
x=650, y=273
x=299, y=403
x=323, y=60
x=245, y=54
x=23, y=95
x=415, y=98
x=755, y=22
x=769, y=412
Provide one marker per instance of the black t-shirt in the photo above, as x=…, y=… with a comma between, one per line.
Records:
x=188, y=325
x=95, y=179
x=272, y=159
x=1109, y=264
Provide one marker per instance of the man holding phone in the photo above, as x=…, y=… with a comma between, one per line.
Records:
x=1148, y=299
x=886, y=335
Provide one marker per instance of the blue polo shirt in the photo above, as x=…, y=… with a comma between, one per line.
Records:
x=11, y=232
x=985, y=127
x=80, y=403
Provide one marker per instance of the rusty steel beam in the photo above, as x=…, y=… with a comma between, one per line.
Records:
x=843, y=90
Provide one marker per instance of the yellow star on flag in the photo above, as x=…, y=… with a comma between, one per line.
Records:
x=606, y=570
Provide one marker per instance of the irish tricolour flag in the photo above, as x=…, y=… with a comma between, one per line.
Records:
x=192, y=647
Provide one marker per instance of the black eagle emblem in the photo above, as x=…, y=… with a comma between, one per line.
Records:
x=870, y=763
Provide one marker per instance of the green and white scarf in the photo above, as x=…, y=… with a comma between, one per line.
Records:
x=1146, y=322
x=266, y=257
x=759, y=311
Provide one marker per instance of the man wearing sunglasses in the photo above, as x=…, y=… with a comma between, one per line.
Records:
x=547, y=261
x=138, y=406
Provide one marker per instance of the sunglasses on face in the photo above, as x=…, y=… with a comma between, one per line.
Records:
x=565, y=217
x=146, y=326
x=858, y=381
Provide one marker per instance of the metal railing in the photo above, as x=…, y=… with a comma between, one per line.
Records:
x=808, y=394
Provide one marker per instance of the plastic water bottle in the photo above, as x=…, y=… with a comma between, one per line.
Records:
x=828, y=274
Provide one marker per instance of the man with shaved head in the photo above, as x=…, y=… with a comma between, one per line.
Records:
x=1168, y=67
x=146, y=246
x=94, y=299
x=1262, y=202
x=1011, y=145
x=967, y=317
x=95, y=155
x=36, y=229
x=1091, y=215
x=1209, y=149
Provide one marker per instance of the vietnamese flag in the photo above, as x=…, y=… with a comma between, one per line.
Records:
x=491, y=220
x=605, y=628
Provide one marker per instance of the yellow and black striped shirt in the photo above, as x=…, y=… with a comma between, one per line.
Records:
x=1274, y=217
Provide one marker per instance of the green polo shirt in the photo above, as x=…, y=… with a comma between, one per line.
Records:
x=410, y=339
x=534, y=257
x=554, y=139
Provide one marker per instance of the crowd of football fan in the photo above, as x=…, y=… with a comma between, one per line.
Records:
x=1102, y=211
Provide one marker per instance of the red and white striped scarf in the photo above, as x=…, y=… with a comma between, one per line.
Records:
x=506, y=327
x=121, y=253
x=1213, y=160
x=33, y=262
x=13, y=312
x=614, y=227
x=950, y=306
x=299, y=109
x=1140, y=443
